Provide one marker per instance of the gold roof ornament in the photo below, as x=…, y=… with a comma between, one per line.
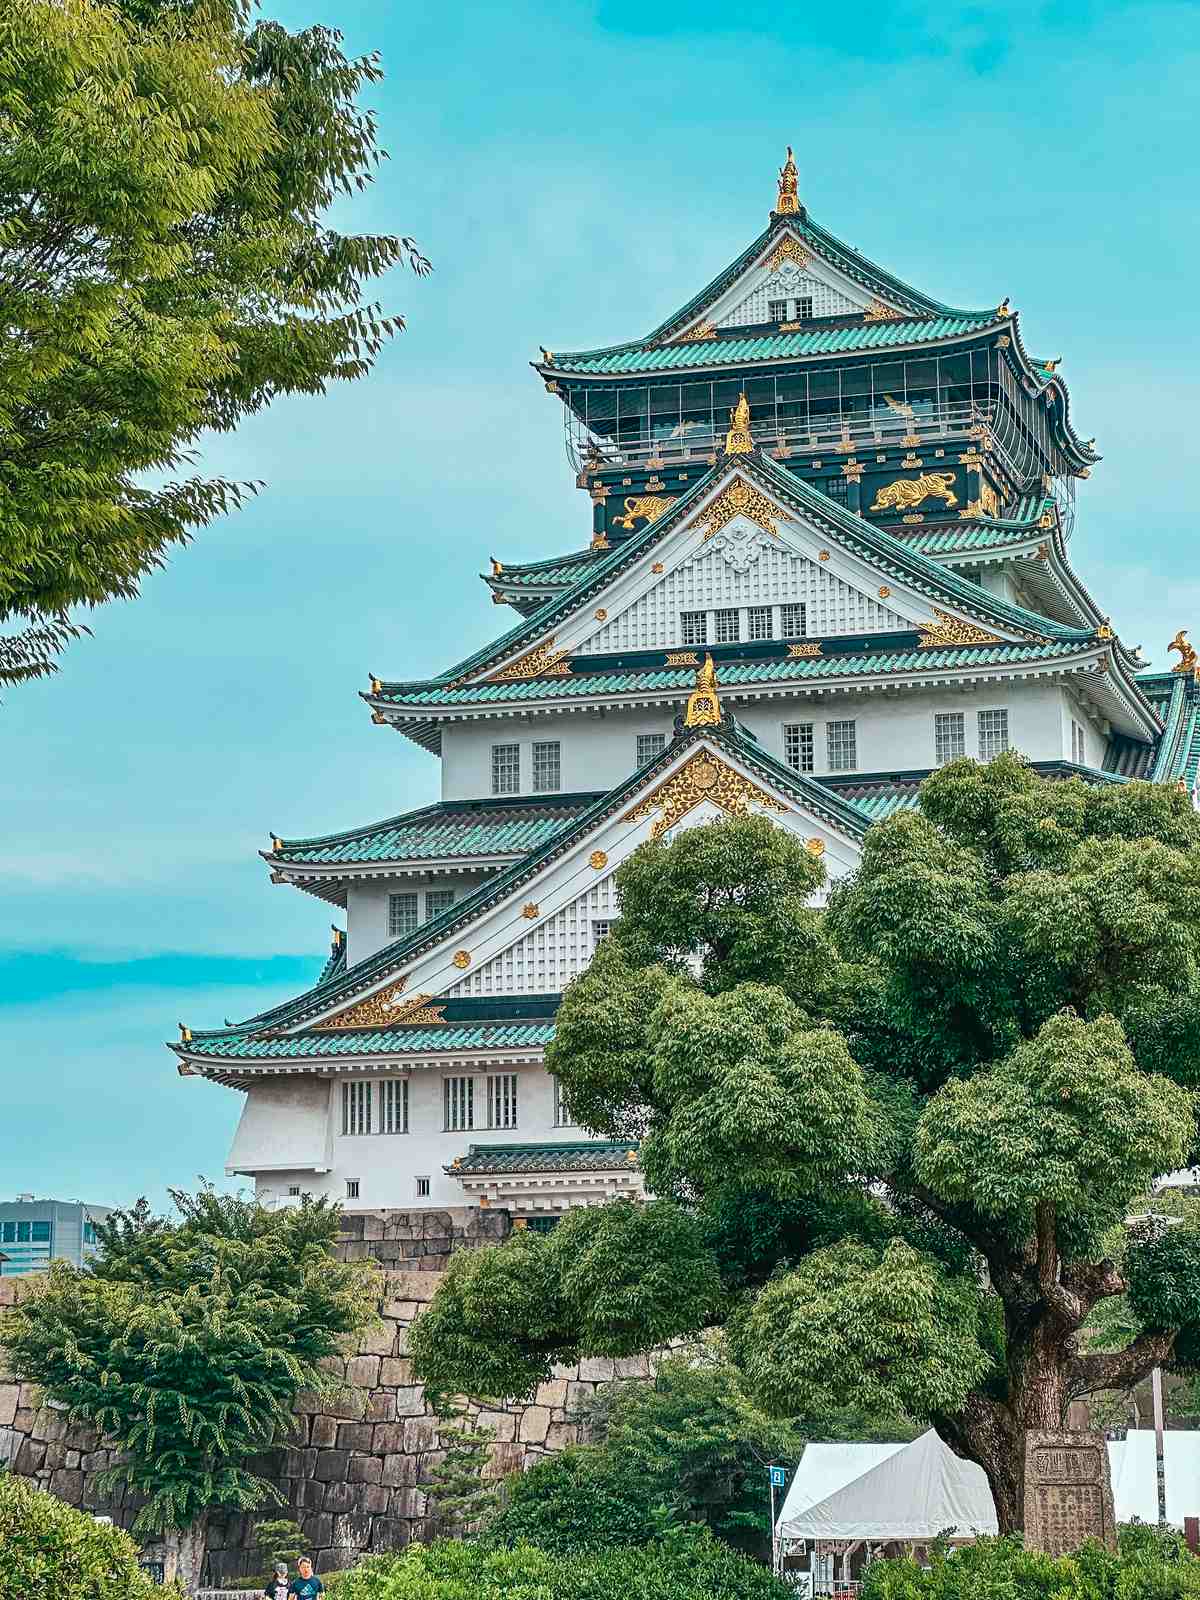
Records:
x=1188, y=660
x=738, y=441
x=497, y=566
x=704, y=702
x=1003, y=309
x=276, y=843
x=376, y=686
x=185, y=1033
x=1053, y=365
x=789, y=189
x=338, y=936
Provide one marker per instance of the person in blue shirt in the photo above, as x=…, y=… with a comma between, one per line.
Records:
x=305, y=1585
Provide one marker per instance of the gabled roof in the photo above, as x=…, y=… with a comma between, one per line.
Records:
x=366, y=975
x=574, y=1156
x=889, y=554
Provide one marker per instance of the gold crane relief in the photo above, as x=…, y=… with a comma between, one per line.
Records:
x=907, y=492
x=639, y=507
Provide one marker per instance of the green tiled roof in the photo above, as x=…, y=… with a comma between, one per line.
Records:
x=447, y=829
x=983, y=533
x=336, y=964
x=581, y=1156
x=238, y=1045
x=736, y=673
x=555, y=569
x=734, y=348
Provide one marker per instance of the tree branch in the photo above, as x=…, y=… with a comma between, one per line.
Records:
x=1067, y=1307
x=1119, y=1369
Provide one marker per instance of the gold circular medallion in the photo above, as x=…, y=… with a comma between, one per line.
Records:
x=822, y=555
x=884, y=591
x=598, y=859
x=601, y=615
x=815, y=847
x=704, y=775
x=461, y=958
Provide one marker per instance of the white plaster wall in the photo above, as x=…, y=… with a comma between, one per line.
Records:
x=387, y=1165
x=283, y=1125
x=895, y=733
x=367, y=906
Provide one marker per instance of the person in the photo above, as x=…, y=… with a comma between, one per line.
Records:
x=277, y=1584
x=305, y=1585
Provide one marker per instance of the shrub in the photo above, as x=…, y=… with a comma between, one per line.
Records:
x=1149, y=1567
x=49, y=1551
x=698, y=1570
x=574, y=1502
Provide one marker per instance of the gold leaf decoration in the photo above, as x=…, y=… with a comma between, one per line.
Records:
x=907, y=492
x=543, y=661
x=704, y=703
x=704, y=777
x=741, y=499
x=639, y=507
x=877, y=311
x=809, y=647
x=788, y=249
x=530, y=909
x=461, y=958
x=682, y=658
x=815, y=847
x=598, y=860
x=374, y=1012
x=418, y=1010
x=950, y=630
x=702, y=330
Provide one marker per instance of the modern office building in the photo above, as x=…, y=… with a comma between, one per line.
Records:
x=34, y=1232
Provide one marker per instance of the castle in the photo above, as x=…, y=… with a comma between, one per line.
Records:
x=829, y=551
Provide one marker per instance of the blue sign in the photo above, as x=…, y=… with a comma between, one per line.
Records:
x=778, y=1477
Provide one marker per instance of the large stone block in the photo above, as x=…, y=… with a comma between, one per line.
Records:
x=399, y=1471
x=378, y=1341
x=561, y=1434
x=390, y=1533
x=427, y=1464
x=373, y=1499
x=341, y=1497
x=366, y=1469
x=420, y=1433
x=535, y=1424
x=407, y=1503
x=553, y=1393
x=332, y=1466
x=597, y=1369
x=501, y=1424
x=504, y=1458
x=8, y=1404
x=363, y=1371
x=352, y=1531
x=381, y=1406
x=355, y=1436
x=410, y=1401
x=30, y=1456
x=387, y=1438
x=393, y=1371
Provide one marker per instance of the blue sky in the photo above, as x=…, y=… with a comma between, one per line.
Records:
x=575, y=172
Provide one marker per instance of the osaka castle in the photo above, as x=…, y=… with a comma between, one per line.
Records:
x=827, y=549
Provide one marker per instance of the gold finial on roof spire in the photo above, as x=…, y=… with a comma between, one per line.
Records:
x=738, y=441
x=704, y=703
x=789, y=198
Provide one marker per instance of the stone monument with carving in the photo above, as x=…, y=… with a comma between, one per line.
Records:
x=1068, y=1492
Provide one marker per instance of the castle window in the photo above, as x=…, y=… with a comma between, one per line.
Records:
x=356, y=1108
x=437, y=901
x=393, y=1105
x=993, y=734
x=351, y=1188
x=842, y=742
x=506, y=769
x=1078, y=747
x=836, y=488
x=798, y=745
x=758, y=622
x=459, y=1098
x=793, y=621
x=563, y=1116
x=777, y=310
x=422, y=1188
x=600, y=927
x=804, y=308
x=693, y=627
x=402, y=915
x=727, y=627
x=502, y=1100
x=547, y=766
x=650, y=745
x=949, y=736
x=293, y=1191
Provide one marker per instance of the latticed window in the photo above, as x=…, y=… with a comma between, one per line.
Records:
x=798, y=745
x=402, y=914
x=758, y=622
x=835, y=488
x=547, y=766
x=793, y=621
x=356, y=1108
x=437, y=901
x=393, y=1105
x=949, y=737
x=777, y=310
x=1078, y=747
x=506, y=768
x=804, y=308
x=842, y=742
x=502, y=1100
x=422, y=1188
x=727, y=626
x=600, y=927
x=459, y=1097
x=693, y=627
x=993, y=734
x=650, y=745
x=563, y=1115
x=351, y=1188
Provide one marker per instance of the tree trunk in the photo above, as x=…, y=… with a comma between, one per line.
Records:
x=186, y=1548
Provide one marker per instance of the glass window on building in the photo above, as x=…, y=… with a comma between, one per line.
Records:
x=422, y=1188
x=650, y=745
x=41, y=1233
x=547, y=766
x=777, y=310
x=949, y=737
x=836, y=488
x=563, y=1117
x=502, y=1100
x=1078, y=746
x=758, y=623
x=798, y=746
x=459, y=1100
x=437, y=901
x=727, y=626
x=393, y=1105
x=803, y=308
x=993, y=733
x=506, y=769
x=842, y=744
x=693, y=627
x=351, y=1188
x=793, y=621
x=402, y=914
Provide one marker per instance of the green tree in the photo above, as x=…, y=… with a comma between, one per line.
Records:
x=186, y=1343
x=279, y=1539
x=49, y=1550
x=952, y=1081
x=460, y=1493
x=166, y=167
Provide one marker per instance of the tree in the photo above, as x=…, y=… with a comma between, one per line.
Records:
x=185, y=1344
x=49, y=1550
x=952, y=1082
x=279, y=1539
x=460, y=1493
x=165, y=268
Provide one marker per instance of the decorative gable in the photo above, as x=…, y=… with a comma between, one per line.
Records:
x=792, y=284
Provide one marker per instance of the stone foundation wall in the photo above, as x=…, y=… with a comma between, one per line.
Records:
x=352, y=1475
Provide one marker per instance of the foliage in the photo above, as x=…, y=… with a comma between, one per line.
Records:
x=279, y=1540
x=579, y=1500
x=49, y=1550
x=898, y=1132
x=1149, y=1567
x=696, y=1569
x=165, y=268
x=460, y=1494
x=186, y=1342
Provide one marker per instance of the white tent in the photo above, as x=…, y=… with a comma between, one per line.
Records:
x=913, y=1494
x=825, y=1468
